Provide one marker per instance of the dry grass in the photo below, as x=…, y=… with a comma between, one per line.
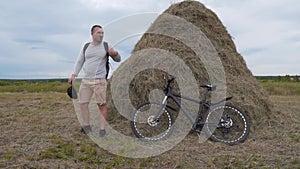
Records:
x=41, y=130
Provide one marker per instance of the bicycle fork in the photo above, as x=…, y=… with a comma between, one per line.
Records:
x=154, y=119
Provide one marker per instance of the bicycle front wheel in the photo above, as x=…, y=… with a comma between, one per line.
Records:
x=227, y=124
x=145, y=127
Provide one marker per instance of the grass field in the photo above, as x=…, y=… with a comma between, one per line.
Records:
x=33, y=86
x=39, y=129
x=271, y=86
x=281, y=87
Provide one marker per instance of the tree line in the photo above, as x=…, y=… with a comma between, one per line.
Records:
x=286, y=78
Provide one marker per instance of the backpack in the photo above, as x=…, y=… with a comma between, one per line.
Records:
x=107, y=55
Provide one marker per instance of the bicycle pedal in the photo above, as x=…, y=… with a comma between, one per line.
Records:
x=202, y=138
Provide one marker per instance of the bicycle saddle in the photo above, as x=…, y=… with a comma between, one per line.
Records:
x=209, y=87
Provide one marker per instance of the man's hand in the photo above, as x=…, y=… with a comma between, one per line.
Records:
x=112, y=53
x=72, y=78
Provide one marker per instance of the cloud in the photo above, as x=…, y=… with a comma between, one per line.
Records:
x=53, y=33
x=125, y=5
x=131, y=25
x=42, y=36
x=40, y=74
x=276, y=69
x=29, y=41
x=265, y=33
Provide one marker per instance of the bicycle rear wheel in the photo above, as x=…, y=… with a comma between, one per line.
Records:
x=148, y=129
x=227, y=124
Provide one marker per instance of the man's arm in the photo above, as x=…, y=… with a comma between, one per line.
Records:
x=114, y=55
x=79, y=64
x=77, y=67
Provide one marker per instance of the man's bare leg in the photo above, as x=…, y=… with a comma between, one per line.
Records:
x=85, y=114
x=103, y=116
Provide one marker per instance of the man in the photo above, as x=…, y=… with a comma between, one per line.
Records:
x=93, y=63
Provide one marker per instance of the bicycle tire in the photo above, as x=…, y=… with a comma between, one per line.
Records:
x=227, y=124
x=151, y=131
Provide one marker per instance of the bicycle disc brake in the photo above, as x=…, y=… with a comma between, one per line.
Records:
x=227, y=123
x=151, y=121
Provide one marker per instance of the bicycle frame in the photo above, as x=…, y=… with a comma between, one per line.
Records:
x=202, y=103
x=175, y=96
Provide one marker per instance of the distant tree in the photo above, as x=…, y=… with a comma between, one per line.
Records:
x=287, y=78
x=297, y=78
x=279, y=78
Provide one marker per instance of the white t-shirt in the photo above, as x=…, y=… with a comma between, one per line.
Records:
x=93, y=62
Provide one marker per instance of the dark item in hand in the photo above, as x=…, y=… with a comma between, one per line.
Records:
x=72, y=92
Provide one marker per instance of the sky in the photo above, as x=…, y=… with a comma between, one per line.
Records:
x=42, y=38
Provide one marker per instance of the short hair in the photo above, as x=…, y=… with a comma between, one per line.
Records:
x=95, y=26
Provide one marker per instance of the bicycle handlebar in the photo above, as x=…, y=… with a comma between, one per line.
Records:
x=208, y=87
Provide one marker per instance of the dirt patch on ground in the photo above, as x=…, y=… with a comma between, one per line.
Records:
x=41, y=130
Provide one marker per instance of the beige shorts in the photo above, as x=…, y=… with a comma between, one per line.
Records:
x=90, y=86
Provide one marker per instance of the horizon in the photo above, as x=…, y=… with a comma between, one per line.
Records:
x=66, y=78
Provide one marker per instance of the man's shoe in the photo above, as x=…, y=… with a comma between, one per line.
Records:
x=86, y=129
x=102, y=133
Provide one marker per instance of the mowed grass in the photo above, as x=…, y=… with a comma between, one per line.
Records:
x=39, y=129
x=281, y=87
x=33, y=86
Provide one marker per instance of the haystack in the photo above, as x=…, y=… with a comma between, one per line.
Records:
x=241, y=84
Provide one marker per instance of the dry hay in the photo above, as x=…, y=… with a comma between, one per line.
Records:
x=248, y=94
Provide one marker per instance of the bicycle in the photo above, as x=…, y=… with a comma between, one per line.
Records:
x=153, y=121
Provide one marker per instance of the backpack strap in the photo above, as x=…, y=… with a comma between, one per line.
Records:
x=106, y=47
x=107, y=58
x=84, y=49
